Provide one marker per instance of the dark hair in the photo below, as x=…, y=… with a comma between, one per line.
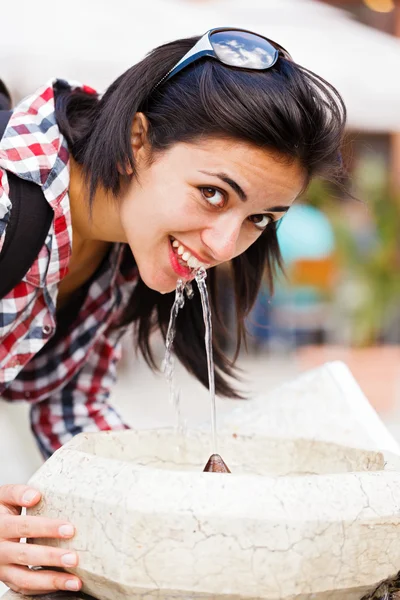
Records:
x=287, y=109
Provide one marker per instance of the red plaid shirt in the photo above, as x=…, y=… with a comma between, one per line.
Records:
x=67, y=386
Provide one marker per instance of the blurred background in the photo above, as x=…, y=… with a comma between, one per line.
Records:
x=340, y=298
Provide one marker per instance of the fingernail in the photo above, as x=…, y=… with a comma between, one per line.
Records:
x=66, y=531
x=69, y=560
x=29, y=496
x=72, y=585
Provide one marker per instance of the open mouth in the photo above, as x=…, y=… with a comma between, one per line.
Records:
x=184, y=257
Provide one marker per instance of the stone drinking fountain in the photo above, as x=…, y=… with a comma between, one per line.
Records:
x=310, y=510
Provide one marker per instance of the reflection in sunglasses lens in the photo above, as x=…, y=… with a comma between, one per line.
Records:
x=241, y=49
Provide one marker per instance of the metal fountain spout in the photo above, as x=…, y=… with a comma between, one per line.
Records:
x=215, y=464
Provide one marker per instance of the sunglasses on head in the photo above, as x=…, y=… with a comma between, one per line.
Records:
x=233, y=47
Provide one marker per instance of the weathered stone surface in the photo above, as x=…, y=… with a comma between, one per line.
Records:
x=325, y=406
x=308, y=512
x=59, y=596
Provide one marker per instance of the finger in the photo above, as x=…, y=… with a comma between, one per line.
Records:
x=19, y=495
x=13, y=553
x=26, y=581
x=17, y=527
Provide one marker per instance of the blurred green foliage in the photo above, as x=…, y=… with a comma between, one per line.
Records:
x=369, y=283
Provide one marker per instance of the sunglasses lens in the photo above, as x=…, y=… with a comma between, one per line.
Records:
x=242, y=49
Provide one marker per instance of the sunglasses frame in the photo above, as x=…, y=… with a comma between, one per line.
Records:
x=204, y=47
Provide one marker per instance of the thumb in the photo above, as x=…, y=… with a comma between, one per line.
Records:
x=19, y=495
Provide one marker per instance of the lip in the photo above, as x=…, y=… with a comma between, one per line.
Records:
x=193, y=253
x=183, y=272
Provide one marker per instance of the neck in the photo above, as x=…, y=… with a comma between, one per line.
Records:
x=99, y=223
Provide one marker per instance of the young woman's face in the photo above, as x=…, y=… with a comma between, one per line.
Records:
x=203, y=204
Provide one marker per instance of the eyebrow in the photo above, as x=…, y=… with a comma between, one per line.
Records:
x=239, y=190
x=278, y=209
x=235, y=186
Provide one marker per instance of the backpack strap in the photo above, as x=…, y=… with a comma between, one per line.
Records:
x=5, y=116
x=30, y=220
x=5, y=98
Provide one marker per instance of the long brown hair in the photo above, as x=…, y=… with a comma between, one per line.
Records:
x=287, y=109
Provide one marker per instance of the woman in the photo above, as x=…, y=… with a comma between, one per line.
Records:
x=184, y=162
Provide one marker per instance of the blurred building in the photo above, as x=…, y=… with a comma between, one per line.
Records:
x=383, y=15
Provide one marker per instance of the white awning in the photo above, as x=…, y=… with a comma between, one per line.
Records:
x=94, y=41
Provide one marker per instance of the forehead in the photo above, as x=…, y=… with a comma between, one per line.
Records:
x=259, y=171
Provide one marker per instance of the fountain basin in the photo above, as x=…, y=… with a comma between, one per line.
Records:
x=298, y=517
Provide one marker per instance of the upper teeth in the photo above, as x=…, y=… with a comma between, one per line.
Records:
x=185, y=255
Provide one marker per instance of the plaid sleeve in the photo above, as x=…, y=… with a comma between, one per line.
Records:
x=82, y=404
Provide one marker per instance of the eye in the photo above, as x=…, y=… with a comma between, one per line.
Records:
x=213, y=196
x=261, y=221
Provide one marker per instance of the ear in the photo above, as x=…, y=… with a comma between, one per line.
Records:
x=139, y=142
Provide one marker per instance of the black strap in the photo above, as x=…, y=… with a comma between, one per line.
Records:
x=4, y=118
x=31, y=217
x=5, y=98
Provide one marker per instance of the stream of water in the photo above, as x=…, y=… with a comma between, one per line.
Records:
x=201, y=282
x=169, y=364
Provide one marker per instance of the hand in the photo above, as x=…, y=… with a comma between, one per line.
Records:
x=15, y=557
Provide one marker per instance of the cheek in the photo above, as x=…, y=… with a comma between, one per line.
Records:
x=183, y=212
x=248, y=236
x=159, y=207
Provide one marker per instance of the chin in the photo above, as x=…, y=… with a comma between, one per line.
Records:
x=158, y=281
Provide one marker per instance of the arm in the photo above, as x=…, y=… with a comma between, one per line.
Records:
x=82, y=404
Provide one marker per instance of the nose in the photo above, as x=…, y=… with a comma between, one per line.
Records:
x=221, y=238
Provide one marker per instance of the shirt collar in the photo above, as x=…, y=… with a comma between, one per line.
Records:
x=34, y=149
